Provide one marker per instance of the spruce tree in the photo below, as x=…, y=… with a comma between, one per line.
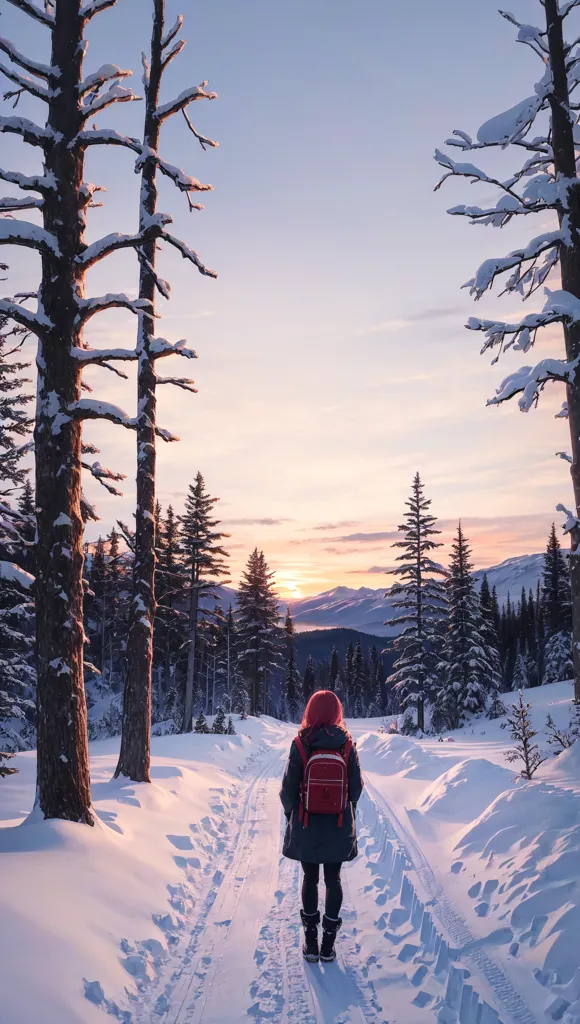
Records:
x=334, y=671
x=260, y=637
x=465, y=663
x=15, y=421
x=349, y=678
x=205, y=562
x=421, y=597
x=17, y=668
x=24, y=554
x=230, y=731
x=520, y=676
x=360, y=683
x=556, y=598
x=489, y=634
x=201, y=724
x=292, y=683
x=309, y=680
x=219, y=722
x=558, y=665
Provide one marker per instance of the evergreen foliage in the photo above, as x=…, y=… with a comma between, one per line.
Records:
x=230, y=731
x=219, y=722
x=260, y=637
x=309, y=680
x=201, y=724
x=292, y=683
x=420, y=596
x=4, y=769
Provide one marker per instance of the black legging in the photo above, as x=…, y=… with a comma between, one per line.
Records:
x=333, y=888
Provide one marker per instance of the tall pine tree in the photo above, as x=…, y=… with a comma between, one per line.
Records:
x=292, y=681
x=258, y=629
x=421, y=597
x=205, y=562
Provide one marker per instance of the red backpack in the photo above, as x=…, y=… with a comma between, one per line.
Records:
x=324, y=786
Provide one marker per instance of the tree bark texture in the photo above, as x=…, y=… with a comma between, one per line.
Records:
x=63, y=761
x=565, y=167
x=135, y=752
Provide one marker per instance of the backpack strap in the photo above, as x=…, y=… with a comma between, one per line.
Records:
x=346, y=755
x=302, y=814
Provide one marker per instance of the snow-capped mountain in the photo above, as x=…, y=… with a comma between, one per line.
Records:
x=368, y=610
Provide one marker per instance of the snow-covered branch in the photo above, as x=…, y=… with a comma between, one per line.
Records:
x=95, y=7
x=32, y=133
x=31, y=321
x=92, y=409
x=572, y=521
x=10, y=205
x=32, y=66
x=34, y=12
x=195, y=92
x=97, y=79
x=159, y=348
x=188, y=254
x=98, y=357
x=561, y=307
x=529, y=381
x=21, y=232
x=184, y=182
x=89, y=307
x=173, y=31
x=109, y=137
x=490, y=269
x=35, y=183
x=116, y=94
x=103, y=475
x=25, y=83
x=113, y=242
x=186, y=383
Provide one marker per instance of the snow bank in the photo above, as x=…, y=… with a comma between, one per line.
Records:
x=466, y=790
x=396, y=754
x=88, y=914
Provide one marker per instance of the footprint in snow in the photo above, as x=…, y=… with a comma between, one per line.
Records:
x=279, y=896
x=474, y=890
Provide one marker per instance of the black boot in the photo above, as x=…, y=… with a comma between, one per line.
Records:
x=329, y=930
x=310, y=947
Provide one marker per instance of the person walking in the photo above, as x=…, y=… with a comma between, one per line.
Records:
x=320, y=790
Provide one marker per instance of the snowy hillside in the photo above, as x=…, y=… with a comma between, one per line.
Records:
x=462, y=904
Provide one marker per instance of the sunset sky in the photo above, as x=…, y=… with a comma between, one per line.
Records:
x=333, y=358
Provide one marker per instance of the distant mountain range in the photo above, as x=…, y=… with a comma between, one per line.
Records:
x=369, y=611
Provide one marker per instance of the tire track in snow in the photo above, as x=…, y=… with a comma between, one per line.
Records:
x=513, y=1004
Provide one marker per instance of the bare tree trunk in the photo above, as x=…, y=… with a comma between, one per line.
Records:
x=135, y=752
x=63, y=759
x=191, y=656
x=565, y=167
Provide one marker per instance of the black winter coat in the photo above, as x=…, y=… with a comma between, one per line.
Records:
x=321, y=841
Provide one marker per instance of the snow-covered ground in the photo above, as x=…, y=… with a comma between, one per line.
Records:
x=462, y=906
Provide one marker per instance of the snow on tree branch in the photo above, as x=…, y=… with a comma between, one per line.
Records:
x=97, y=357
x=10, y=205
x=173, y=31
x=530, y=380
x=29, y=235
x=572, y=521
x=188, y=254
x=34, y=12
x=98, y=78
x=111, y=243
x=184, y=182
x=186, y=383
x=25, y=83
x=36, y=183
x=34, y=322
x=491, y=268
x=93, y=409
x=32, y=66
x=103, y=475
x=195, y=92
x=561, y=307
x=116, y=94
x=95, y=7
x=160, y=347
x=89, y=307
x=28, y=130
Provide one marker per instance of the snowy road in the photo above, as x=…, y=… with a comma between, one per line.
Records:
x=406, y=953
